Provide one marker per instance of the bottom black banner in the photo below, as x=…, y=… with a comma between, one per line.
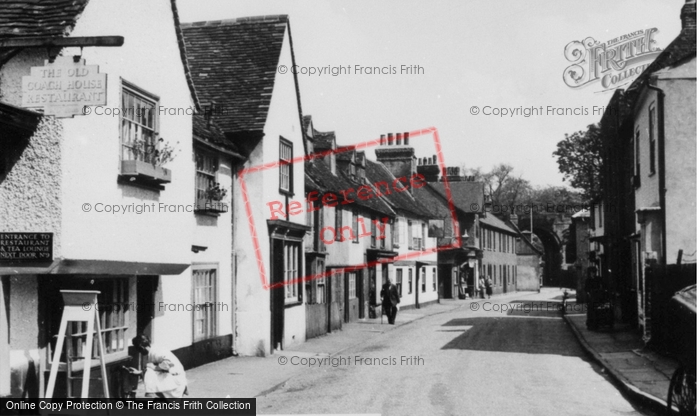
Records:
x=127, y=407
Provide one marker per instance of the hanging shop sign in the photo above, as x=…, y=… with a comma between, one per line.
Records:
x=63, y=88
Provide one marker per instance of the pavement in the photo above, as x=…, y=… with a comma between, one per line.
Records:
x=259, y=376
x=641, y=374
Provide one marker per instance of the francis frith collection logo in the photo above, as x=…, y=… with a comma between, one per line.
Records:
x=611, y=64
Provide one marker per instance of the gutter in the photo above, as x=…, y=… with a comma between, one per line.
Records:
x=662, y=163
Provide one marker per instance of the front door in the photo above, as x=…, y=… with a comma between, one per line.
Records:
x=277, y=296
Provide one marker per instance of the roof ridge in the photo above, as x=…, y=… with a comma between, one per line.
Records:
x=274, y=18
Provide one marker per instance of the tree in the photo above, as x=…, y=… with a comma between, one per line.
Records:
x=579, y=157
x=500, y=186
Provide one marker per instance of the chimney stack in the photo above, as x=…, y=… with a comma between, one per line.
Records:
x=400, y=161
x=452, y=174
x=688, y=18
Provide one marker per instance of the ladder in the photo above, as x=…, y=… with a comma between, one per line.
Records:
x=79, y=306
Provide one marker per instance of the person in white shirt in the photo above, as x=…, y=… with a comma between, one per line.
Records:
x=165, y=375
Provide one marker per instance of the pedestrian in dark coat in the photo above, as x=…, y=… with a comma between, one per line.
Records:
x=390, y=298
x=489, y=287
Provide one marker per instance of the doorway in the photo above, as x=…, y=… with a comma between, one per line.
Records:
x=277, y=296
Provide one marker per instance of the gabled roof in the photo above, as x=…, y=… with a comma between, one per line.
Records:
x=320, y=178
x=524, y=239
x=467, y=197
x=495, y=222
x=432, y=202
x=234, y=63
x=39, y=18
x=377, y=172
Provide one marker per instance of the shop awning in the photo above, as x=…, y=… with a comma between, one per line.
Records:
x=93, y=267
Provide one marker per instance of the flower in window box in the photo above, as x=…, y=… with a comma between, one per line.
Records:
x=158, y=154
x=216, y=192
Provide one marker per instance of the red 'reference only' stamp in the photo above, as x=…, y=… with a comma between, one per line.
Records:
x=275, y=209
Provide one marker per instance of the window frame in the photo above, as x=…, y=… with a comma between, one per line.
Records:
x=355, y=227
x=292, y=292
x=338, y=223
x=352, y=285
x=213, y=327
x=137, y=92
x=286, y=162
x=123, y=321
x=213, y=175
x=398, y=277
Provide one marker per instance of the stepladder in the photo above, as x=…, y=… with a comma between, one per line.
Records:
x=80, y=306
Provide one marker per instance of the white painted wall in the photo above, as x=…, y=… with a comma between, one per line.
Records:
x=253, y=313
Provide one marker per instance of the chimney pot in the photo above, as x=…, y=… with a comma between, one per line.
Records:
x=398, y=139
x=434, y=160
x=405, y=138
x=390, y=138
x=382, y=140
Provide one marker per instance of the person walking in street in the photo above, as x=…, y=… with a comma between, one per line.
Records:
x=482, y=287
x=390, y=298
x=165, y=375
x=489, y=286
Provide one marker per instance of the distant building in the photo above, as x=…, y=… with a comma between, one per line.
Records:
x=500, y=261
x=579, y=247
x=415, y=268
x=529, y=270
x=354, y=236
x=458, y=265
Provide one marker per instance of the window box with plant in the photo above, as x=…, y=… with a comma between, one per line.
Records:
x=143, y=153
x=211, y=200
x=146, y=167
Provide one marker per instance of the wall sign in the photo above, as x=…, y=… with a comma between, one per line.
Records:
x=64, y=87
x=26, y=247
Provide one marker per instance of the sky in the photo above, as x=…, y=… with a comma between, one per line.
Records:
x=474, y=56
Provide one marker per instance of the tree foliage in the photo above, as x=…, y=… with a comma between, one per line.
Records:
x=579, y=157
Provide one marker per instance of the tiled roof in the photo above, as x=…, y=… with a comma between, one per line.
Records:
x=234, y=64
x=495, y=222
x=320, y=177
x=432, y=202
x=467, y=197
x=39, y=18
x=211, y=133
x=377, y=172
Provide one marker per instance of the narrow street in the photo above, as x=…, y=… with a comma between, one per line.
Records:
x=460, y=363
